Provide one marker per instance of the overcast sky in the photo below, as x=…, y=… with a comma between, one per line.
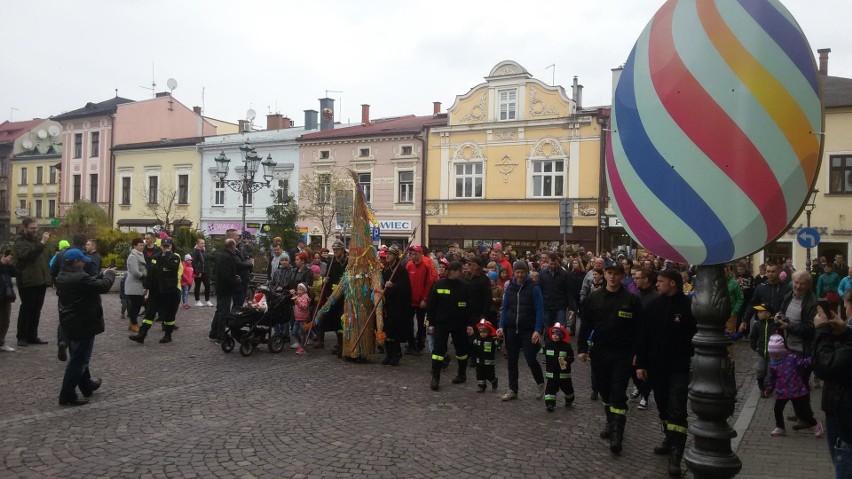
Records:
x=281, y=56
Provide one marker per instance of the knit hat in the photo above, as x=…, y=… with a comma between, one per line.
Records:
x=486, y=325
x=315, y=269
x=302, y=287
x=492, y=275
x=64, y=244
x=520, y=265
x=558, y=328
x=776, y=344
x=187, y=257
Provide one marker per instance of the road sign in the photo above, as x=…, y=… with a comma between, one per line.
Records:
x=566, y=215
x=808, y=237
x=376, y=233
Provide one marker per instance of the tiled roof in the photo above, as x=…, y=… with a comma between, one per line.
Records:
x=403, y=125
x=93, y=109
x=11, y=130
x=836, y=91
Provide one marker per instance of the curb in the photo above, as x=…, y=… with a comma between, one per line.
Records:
x=745, y=417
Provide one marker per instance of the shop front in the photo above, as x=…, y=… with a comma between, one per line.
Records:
x=522, y=238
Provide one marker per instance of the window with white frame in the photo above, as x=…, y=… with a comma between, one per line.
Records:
x=323, y=188
x=282, y=193
x=153, y=190
x=39, y=175
x=183, y=190
x=508, y=103
x=248, y=198
x=23, y=204
x=468, y=178
x=406, y=150
x=365, y=181
x=548, y=178
x=125, y=190
x=51, y=175
x=406, y=187
x=218, y=192
x=23, y=176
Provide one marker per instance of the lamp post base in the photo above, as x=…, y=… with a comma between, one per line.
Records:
x=712, y=392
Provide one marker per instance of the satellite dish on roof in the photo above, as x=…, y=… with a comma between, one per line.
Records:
x=54, y=130
x=27, y=144
x=171, y=83
x=42, y=134
x=250, y=114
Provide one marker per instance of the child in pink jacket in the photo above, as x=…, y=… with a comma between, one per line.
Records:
x=301, y=313
x=186, y=280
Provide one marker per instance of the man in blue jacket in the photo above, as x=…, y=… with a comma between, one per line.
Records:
x=521, y=323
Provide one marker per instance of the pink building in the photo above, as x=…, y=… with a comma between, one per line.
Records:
x=156, y=119
x=387, y=154
x=87, y=137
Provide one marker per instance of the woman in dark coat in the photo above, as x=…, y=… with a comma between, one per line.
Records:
x=399, y=326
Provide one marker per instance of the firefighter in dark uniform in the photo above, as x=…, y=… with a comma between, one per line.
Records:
x=163, y=285
x=615, y=315
x=558, y=356
x=485, y=347
x=334, y=273
x=664, y=361
x=449, y=315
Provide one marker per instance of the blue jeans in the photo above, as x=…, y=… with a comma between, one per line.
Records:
x=77, y=369
x=840, y=451
x=184, y=297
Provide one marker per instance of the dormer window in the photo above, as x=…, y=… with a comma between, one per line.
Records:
x=508, y=104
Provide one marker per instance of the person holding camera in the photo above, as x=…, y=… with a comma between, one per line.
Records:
x=32, y=259
x=795, y=321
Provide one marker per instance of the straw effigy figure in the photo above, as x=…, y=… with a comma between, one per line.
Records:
x=359, y=286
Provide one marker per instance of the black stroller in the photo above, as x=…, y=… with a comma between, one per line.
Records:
x=250, y=327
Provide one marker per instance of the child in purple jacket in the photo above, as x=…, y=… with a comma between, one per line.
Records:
x=786, y=379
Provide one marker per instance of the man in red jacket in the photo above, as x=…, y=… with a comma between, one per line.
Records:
x=422, y=275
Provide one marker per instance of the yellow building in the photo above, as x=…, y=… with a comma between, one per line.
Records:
x=513, y=148
x=33, y=181
x=831, y=206
x=157, y=183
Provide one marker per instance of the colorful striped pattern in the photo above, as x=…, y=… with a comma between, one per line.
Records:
x=715, y=123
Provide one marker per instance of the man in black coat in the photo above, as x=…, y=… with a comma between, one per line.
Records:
x=227, y=280
x=449, y=316
x=555, y=285
x=82, y=318
x=397, y=302
x=664, y=361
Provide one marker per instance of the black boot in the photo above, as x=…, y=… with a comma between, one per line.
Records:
x=396, y=354
x=388, y=353
x=678, y=441
x=436, y=379
x=167, y=337
x=338, y=348
x=140, y=336
x=617, y=437
x=607, y=430
x=665, y=447
x=462, y=375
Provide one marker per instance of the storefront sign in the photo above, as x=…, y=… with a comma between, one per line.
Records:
x=395, y=225
x=615, y=222
x=220, y=228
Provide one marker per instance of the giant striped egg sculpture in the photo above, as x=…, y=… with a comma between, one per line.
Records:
x=716, y=130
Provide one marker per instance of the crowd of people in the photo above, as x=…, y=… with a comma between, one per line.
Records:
x=632, y=319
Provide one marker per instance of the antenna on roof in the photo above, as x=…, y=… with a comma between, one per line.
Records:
x=553, y=81
x=153, y=86
x=202, y=98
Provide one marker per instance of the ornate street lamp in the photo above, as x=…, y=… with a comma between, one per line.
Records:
x=245, y=184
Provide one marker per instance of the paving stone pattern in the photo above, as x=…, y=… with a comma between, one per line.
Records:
x=187, y=409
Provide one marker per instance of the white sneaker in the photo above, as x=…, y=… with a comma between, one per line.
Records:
x=509, y=396
x=643, y=404
x=209, y=304
x=199, y=303
x=294, y=345
x=8, y=349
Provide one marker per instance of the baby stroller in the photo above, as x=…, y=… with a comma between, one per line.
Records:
x=250, y=327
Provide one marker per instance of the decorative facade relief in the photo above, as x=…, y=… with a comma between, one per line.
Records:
x=537, y=106
x=478, y=112
x=467, y=152
x=506, y=70
x=546, y=148
x=505, y=135
x=506, y=167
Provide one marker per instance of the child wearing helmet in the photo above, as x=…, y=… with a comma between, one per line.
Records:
x=558, y=358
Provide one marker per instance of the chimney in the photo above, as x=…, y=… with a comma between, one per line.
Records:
x=326, y=114
x=286, y=122
x=161, y=94
x=616, y=76
x=274, y=121
x=577, y=93
x=823, y=60
x=365, y=114
x=310, y=120
x=197, y=110
x=436, y=107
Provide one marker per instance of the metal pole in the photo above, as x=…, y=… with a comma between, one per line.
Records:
x=808, y=254
x=712, y=392
x=244, y=189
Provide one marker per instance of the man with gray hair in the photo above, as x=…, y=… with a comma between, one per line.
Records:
x=795, y=321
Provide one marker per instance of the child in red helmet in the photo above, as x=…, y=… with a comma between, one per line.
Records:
x=558, y=355
x=485, y=348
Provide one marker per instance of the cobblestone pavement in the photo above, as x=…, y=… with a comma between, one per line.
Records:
x=187, y=409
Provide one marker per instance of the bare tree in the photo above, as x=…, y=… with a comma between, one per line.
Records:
x=161, y=204
x=323, y=198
